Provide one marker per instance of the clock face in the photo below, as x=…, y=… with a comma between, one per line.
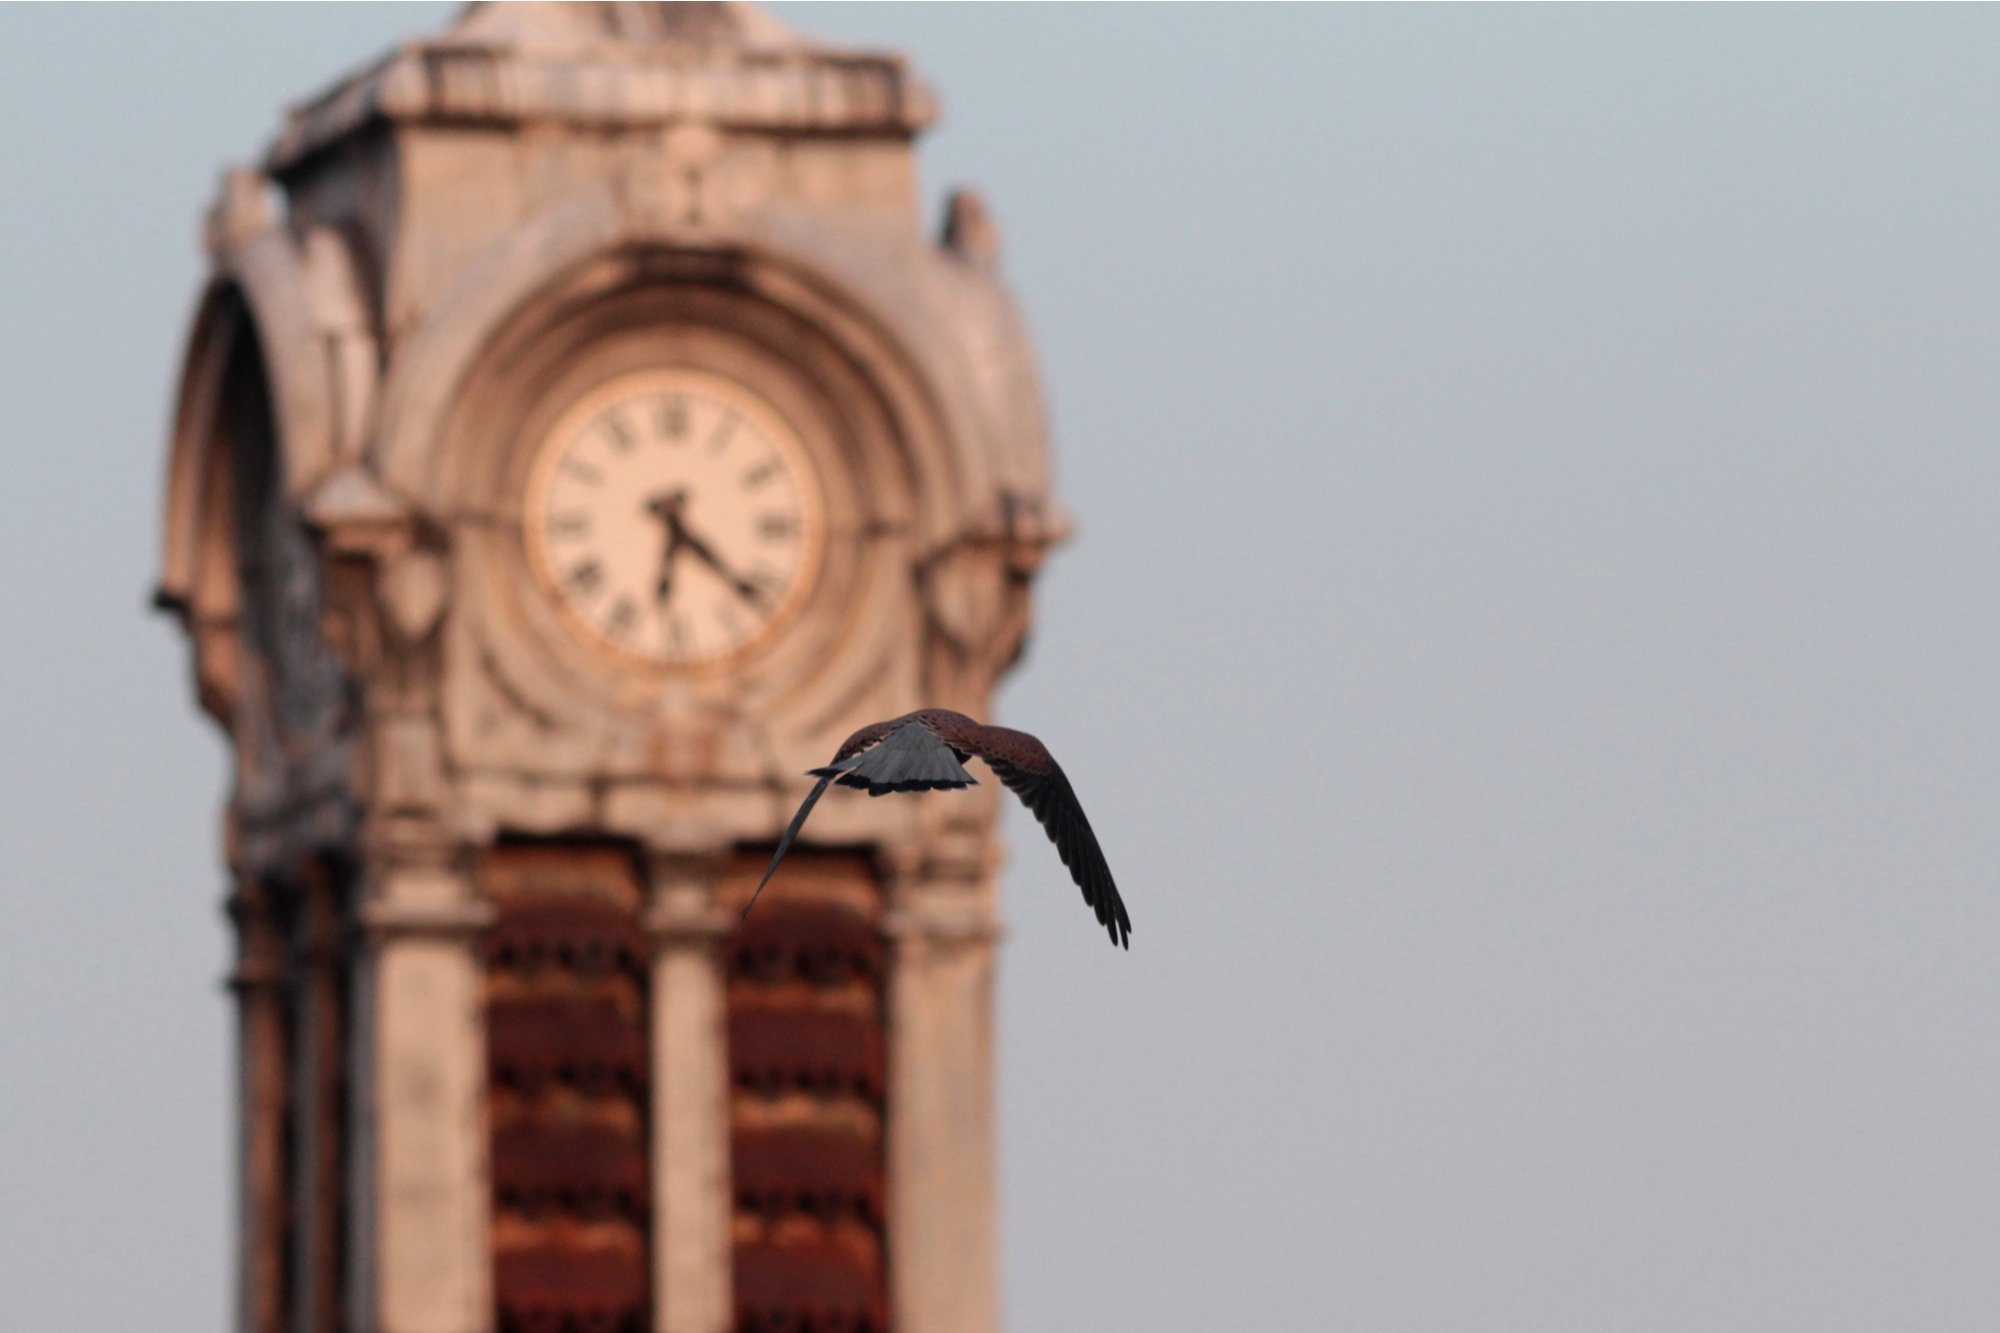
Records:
x=675, y=518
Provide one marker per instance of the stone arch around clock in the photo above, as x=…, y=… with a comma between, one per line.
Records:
x=879, y=438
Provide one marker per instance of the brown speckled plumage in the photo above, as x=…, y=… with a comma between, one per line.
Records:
x=924, y=751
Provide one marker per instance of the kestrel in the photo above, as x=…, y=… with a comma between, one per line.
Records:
x=926, y=751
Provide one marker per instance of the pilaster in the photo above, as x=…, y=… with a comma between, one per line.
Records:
x=423, y=1257
x=943, y=1216
x=691, y=1193
x=263, y=1079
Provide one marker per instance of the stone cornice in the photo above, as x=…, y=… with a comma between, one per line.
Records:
x=800, y=90
x=380, y=920
x=938, y=923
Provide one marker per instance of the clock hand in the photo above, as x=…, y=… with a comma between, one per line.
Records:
x=667, y=508
x=743, y=587
x=663, y=591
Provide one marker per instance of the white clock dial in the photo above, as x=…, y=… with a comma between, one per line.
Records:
x=675, y=518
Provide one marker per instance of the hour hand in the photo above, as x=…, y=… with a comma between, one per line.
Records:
x=667, y=508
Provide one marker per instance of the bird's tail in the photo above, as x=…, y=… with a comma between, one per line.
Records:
x=910, y=759
x=825, y=776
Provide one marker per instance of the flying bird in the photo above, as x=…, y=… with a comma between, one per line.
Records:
x=926, y=751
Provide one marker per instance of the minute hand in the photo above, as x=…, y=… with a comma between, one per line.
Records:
x=743, y=587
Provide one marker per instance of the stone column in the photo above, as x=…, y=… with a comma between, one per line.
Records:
x=263, y=1077
x=692, y=1206
x=943, y=1213
x=320, y=948
x=420, y=1142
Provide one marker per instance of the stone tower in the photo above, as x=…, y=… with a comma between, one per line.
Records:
x=580, y=434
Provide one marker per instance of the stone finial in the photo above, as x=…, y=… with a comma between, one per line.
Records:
x=698, y=23
x=969, y=230
x=245, y=205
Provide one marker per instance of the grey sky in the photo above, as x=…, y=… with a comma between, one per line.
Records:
x=1530, y=654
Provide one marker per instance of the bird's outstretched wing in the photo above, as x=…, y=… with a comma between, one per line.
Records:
x=1027, y=768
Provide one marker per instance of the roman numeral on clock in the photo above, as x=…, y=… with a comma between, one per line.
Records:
x=674, y=418
x=620, y=434
x=731, y=626
x=623, y=619
x=584, y=579
x=724, y=429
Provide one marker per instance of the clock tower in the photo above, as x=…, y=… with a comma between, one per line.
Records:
x=579, y=435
